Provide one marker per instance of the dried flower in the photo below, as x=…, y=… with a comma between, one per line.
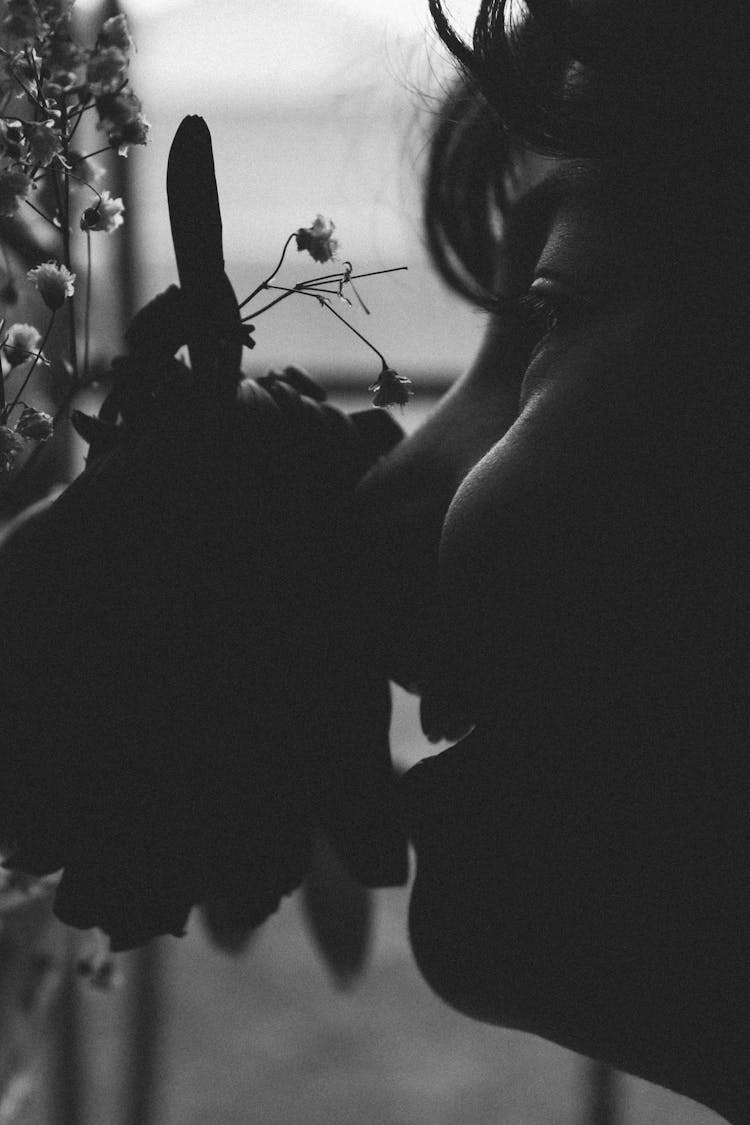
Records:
x=106, y=215
x=10, y=446
x=43, y=143
x=54, y=282
x=14, y=188
x=121, y=118
x=318, y=239
x=35, y=425
x=106, y=70
x=21, y=343
x=133, y=132
x=391, y=389
x=116, y=33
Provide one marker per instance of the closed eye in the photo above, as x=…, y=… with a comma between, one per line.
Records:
x=543, y=312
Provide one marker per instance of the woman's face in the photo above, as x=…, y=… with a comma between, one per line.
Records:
x=534, y=531
x=559, y=560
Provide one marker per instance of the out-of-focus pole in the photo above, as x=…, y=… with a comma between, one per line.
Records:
x=602, y=1090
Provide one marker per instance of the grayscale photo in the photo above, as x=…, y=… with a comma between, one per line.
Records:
x=374, y=562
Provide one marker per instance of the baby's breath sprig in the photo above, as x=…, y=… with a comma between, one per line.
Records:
x=389, y=389
x=48, y=83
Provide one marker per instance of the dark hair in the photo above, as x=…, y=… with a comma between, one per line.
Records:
x=657, y=88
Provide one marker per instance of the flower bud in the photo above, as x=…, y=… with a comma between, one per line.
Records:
x=318, y=239
x=391, y=389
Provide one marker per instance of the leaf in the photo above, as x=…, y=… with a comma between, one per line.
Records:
x=227, y=924
x=215, y=333
x=338, y=912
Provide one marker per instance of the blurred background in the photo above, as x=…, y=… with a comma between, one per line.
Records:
x=314, y=106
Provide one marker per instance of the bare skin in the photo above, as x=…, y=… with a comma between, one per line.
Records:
x=570, y=537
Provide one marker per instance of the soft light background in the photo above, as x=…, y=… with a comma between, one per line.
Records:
x=324, y=105
x=314, y=106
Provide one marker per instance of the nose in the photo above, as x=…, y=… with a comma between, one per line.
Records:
x=403, y=500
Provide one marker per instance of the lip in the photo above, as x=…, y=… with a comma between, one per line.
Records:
x=445, y=717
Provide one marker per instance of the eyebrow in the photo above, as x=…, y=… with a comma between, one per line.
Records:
x=532, y=212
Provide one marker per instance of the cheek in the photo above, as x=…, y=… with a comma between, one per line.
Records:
x=555, y=548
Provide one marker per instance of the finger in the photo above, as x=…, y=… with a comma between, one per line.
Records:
x=301, y=381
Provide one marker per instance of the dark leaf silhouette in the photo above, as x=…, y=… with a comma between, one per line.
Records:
x=338, y=909
x=191, y=688
x=214, y=331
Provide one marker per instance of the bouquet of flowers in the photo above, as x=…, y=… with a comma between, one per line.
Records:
x=192, y=700
x=49, y=84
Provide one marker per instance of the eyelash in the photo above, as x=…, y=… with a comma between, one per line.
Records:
x=541, y=313
x=536, y=311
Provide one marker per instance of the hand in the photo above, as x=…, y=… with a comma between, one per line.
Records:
x=189, y=693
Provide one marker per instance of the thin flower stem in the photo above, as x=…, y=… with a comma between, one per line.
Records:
x=307, y=291
x=351, y=328
x=286, y=292
x=37, y=75
x=344, y=275
x=338, y=276
x=30, y=372
x=40, y=213
x=79, y=180
x=253, y=315
x=87, y=310
x=78, y=115
x=271, y=276
x=355, y=291
x=96, y=152
x=376, y=273
x=63, y=204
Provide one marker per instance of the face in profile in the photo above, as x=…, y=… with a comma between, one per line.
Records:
x=564, y=548
x=555, y=518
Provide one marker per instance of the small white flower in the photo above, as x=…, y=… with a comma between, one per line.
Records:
x=318, y=239
x=54, y=282
x=105, y=215
x=21, y=343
